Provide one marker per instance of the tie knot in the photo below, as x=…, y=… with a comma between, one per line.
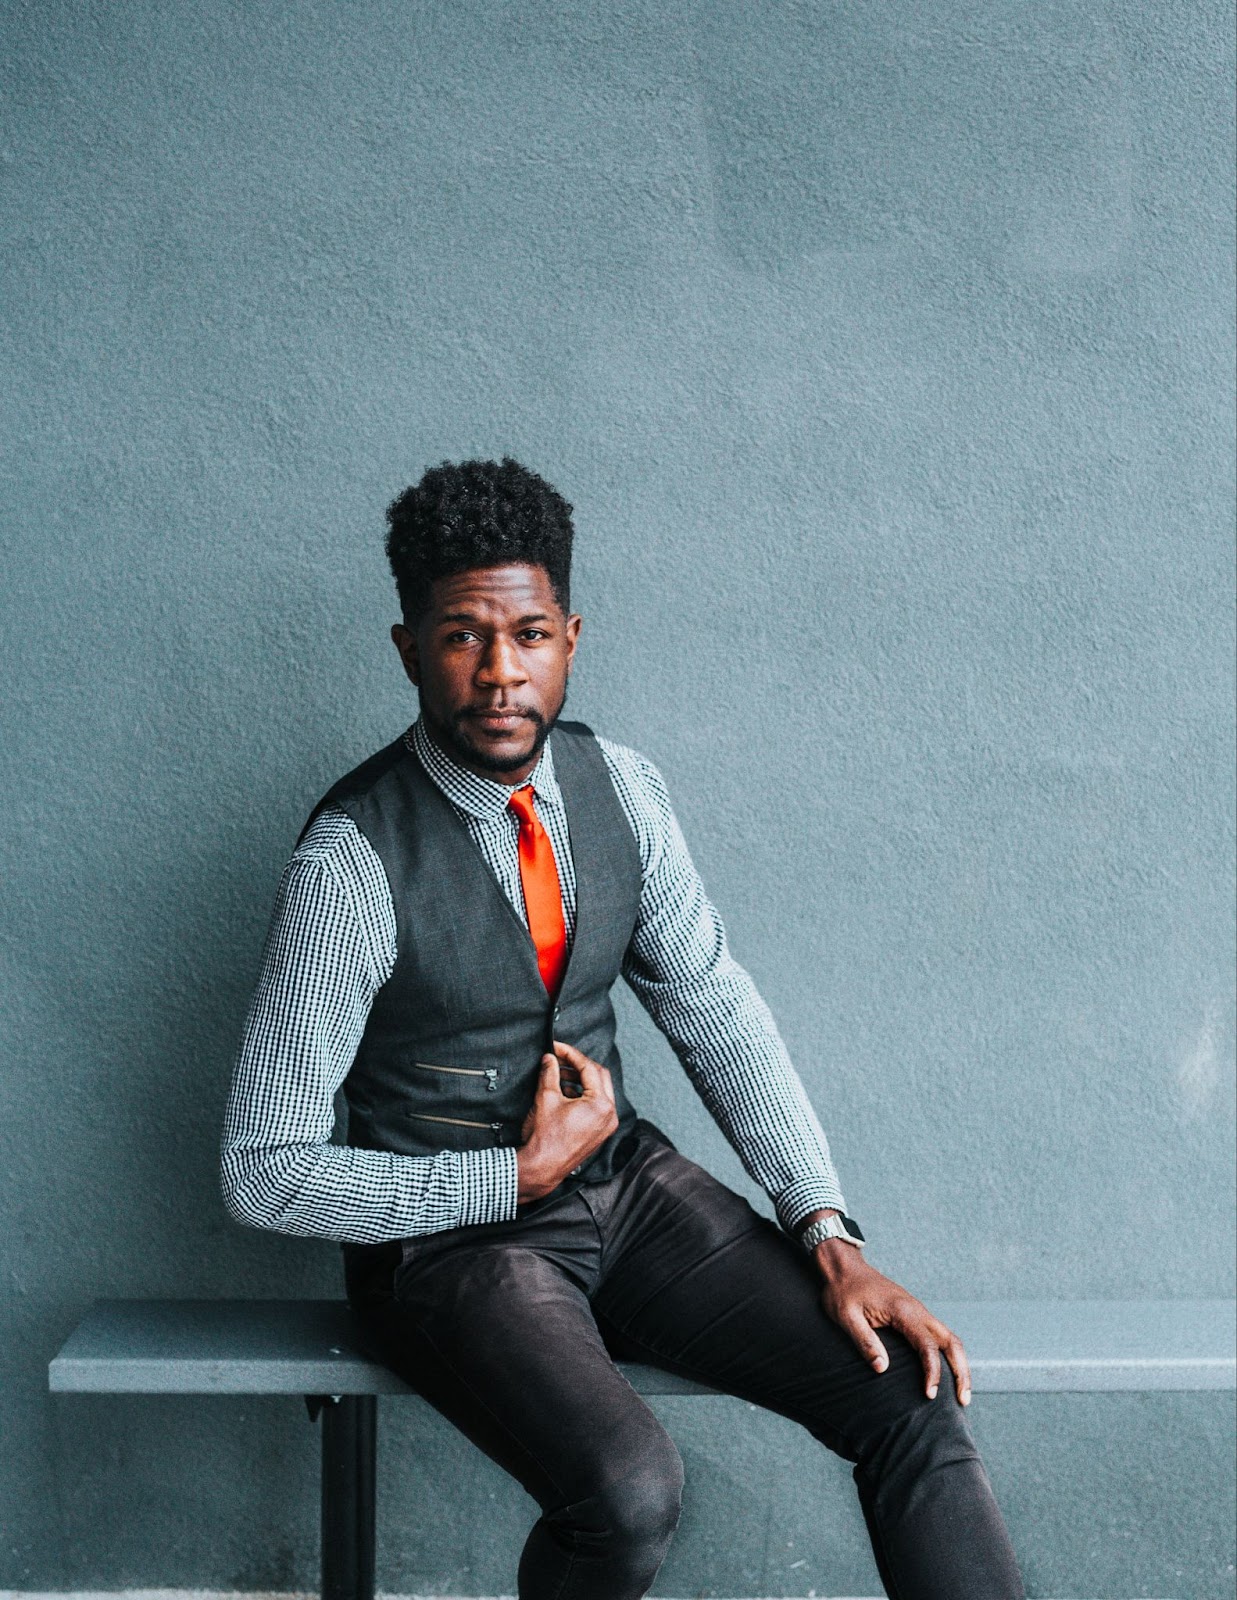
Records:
x=521, y=802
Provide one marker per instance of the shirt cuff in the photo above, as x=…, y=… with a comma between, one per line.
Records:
x=818, y=1193
x=488, y=1185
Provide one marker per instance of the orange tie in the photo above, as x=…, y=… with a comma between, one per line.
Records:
x=543, y=899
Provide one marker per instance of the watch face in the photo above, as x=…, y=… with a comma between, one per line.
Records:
x=851, y=1226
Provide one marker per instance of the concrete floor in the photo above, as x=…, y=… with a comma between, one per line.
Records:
x=220, y=1594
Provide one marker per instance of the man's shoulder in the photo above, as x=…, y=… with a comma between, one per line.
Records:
x=332, y=840
x=335, y=834
x=622, y=760
x=632, y=763
x=366, y=785
x=367, y=775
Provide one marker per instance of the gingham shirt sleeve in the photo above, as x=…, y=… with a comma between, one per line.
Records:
x=330, y=946
x=680, y=968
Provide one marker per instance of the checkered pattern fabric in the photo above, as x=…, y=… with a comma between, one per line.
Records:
x=331, y=945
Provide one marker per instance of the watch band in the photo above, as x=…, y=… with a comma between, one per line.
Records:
x=838, y=1226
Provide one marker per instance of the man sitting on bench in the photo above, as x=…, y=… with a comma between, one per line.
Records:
x=444, y=943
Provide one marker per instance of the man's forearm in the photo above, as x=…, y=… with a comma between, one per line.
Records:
x=731, y=1051
x=337, y=1192
x=771, y=1127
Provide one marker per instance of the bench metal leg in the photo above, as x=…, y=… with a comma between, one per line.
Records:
x=349, y=1471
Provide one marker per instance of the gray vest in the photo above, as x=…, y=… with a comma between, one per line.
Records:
x=451, y=1052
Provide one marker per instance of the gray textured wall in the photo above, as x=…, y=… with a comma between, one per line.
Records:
x=886, y=354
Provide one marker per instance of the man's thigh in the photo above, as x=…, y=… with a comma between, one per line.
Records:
x=502, y=1341
x=697, y=1281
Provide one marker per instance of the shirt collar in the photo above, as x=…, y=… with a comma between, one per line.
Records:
x=484, y=798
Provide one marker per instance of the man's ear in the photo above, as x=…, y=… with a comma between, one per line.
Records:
x=405, y=641
x=573, y=636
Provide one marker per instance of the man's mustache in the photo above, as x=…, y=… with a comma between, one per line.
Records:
x=507, y=711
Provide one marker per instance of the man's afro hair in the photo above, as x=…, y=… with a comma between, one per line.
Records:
x=469, y=514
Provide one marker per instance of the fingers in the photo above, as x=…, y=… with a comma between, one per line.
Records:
x=956, y=1356
x=930, y=1355
x=931, y=1338
x=870, y=1347
x=913, y=1321
x=573, y=1057
x=549, y=1082
x=595, y=1078
x=883, y=1303
x=591, y=1078
x=918, y=1326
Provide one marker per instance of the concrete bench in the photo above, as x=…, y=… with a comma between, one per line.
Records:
x=315, y=1349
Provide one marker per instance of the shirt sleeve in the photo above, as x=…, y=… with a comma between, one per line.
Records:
x=330, y=946
x=680, y=968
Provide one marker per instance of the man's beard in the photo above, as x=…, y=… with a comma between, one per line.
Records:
x=453, y=741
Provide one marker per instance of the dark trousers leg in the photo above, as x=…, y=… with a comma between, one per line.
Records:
x=697, y=1281
x=501, y=1340
x=509, y=1331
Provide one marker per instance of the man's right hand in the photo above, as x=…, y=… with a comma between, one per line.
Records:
x=561, y=1132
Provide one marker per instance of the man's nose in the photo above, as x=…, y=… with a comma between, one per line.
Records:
x=500, y=664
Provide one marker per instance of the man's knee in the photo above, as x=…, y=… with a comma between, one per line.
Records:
x=915, y=1434
x=636, y=1498
x=642, y=1508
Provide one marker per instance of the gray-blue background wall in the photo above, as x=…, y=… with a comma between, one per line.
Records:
x=886, y=355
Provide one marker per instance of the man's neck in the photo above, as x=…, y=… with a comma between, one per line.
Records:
x=450, y=753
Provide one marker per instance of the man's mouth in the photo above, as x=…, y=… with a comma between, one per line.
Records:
x=498, y=721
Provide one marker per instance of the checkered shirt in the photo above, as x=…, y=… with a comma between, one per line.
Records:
x=331, y=946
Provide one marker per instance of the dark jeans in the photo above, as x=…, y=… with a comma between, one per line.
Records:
x=511, y=1331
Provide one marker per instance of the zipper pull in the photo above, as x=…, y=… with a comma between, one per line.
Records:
x=491, y=1079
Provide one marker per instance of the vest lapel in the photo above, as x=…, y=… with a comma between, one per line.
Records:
x=469, y=858
x=607, y=872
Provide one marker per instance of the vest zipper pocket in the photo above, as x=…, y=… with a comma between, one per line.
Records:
x=456, y=1122
x=490, y=1074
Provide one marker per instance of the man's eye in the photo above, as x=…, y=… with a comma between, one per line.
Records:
x=534, y=633
x=461, y=637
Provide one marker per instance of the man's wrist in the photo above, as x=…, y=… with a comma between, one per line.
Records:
x=532, y=1181
x=538, y=1174
x=828, y=1226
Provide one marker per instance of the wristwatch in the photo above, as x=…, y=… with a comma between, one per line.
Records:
x=838, y=1226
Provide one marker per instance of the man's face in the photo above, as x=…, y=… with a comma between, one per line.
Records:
x=491, y=657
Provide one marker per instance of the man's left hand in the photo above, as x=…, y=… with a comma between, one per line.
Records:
x=860, y=1299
